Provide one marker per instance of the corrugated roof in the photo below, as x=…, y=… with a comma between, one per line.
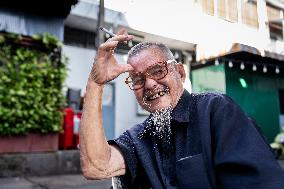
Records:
x=56, y=8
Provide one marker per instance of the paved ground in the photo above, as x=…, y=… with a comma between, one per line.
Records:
x=53, y=182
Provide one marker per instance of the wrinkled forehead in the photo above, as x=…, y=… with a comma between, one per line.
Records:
x=146, y=58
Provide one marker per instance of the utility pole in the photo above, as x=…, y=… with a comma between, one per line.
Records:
x=100, y=37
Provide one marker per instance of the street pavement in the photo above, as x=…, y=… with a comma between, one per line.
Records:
x=53, y=182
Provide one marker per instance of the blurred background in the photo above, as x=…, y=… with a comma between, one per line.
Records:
x=234, y=47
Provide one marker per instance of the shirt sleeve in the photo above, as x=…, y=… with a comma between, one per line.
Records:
x=242, y=157
x=126, y=145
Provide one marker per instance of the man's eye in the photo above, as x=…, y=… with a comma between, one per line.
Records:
x=137, y=80
x=156, y=71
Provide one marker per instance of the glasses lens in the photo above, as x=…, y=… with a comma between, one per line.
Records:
x=136, y=81
x=158, y=71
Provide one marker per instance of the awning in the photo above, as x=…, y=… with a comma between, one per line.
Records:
x=237, y=47
x=274, y=55
x=58, y=8
x=242, y=53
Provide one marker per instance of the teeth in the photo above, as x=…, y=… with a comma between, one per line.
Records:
x=161, y=93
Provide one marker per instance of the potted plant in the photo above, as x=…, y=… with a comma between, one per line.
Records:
x=32, y=73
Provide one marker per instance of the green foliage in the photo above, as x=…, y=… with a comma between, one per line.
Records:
x=31, y=81
x=48, y=40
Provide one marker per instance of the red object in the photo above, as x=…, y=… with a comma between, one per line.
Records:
x=66, y=138
x=32, y=142
x=79, y=114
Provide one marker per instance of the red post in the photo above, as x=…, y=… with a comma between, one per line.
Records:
x=66, y=138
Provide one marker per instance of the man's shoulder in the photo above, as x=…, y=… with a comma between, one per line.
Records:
x=128, y=137
x=212, y=100
x=136, y=128
x=133, y=131
x=208, y=96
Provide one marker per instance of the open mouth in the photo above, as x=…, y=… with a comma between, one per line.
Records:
x=156, y=94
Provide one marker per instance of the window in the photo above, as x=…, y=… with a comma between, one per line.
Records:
x=275, y=23
x=79, y=38
x=249, y=13
x=207, y=6
x=273, y=13
x=222, y=8
x=228, y=10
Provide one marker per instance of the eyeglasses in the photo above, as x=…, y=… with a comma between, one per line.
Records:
x=157, y=71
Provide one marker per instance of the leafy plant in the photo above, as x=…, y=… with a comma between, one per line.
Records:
x=31, y=82
x=48, y=40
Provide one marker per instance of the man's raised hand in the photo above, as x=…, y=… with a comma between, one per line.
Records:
x=105, y=67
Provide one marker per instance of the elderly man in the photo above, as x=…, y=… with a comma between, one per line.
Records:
x=198, y=141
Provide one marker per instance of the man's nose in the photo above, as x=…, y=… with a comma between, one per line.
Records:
x=150, y=83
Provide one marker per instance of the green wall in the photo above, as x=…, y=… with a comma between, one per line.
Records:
x=209, y=79
x=258, y=98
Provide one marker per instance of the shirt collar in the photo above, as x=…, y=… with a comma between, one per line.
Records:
x=182, y=110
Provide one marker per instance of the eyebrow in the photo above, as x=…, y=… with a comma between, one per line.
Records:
x=159, y=62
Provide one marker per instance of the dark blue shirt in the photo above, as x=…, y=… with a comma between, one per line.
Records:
x=213, y=145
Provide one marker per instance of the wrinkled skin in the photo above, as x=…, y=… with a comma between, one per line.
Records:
x=171, y=85
x=105, y=67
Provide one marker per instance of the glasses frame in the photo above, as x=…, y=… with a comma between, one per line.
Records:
x=164, y=63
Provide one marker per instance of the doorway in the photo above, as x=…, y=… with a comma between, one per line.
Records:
x=108, y=110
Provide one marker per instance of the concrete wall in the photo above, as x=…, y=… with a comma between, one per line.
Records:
x=42, y=164
x=39, y=164
x=79, y=66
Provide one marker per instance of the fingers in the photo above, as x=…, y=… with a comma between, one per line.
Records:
x=121, y=38
x=106, y=49
x=111, y=43
x=121, y=31
x=108, y=46
x=125, y=68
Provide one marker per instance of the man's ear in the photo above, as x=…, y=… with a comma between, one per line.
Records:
x=181, y=71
